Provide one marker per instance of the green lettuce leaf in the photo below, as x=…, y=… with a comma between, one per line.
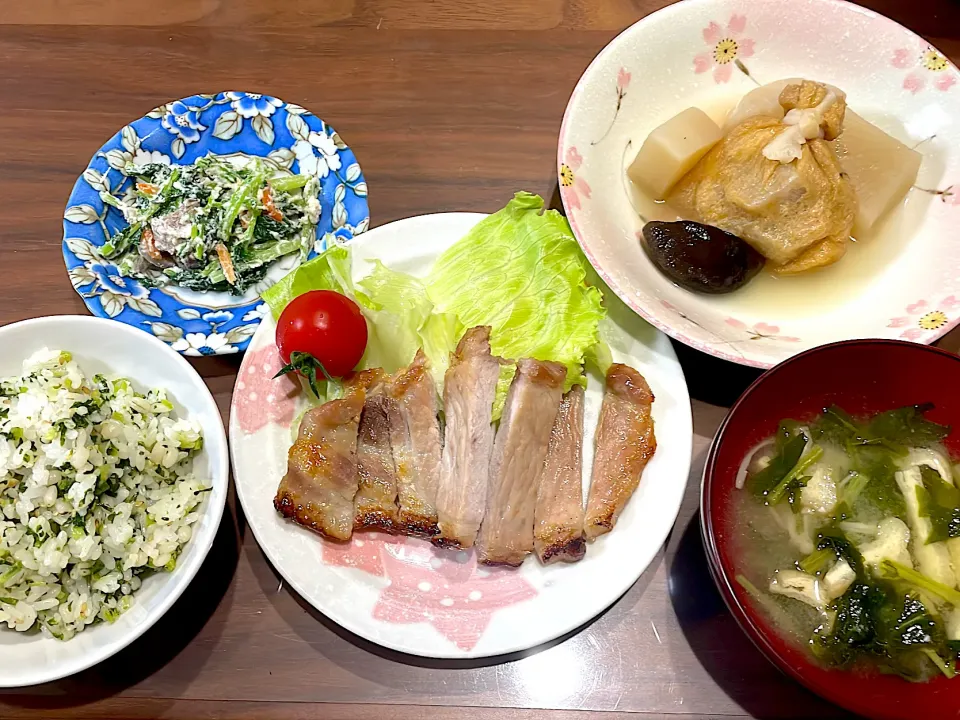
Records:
x=392, y=320
x=439, y=337
x=521, y=271
x=418, y=325
x=396, y=307
x=331, y=270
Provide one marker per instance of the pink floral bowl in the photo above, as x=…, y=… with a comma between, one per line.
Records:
x=901, y=283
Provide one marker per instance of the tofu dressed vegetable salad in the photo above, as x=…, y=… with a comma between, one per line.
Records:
x=215, y=225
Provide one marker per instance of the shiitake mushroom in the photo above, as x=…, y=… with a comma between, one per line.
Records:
x=699, y=257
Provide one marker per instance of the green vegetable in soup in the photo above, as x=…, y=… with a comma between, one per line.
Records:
x=874, y=573
x=835, y=541
x=894, y=429
x=793, y=479
x=854, y=627
x=939, y=501
x=789, y=452
x=892, y=570
x=817, y=561
x=878, y=465
x=913, y=625
x=908, y=427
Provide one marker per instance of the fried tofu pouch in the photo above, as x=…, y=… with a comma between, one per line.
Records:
x=799, y=213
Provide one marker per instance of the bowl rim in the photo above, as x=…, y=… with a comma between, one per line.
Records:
x=750, y=627
x=650, y=317
x=220, y=482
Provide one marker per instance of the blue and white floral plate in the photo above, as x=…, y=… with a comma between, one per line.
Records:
x=232, y=124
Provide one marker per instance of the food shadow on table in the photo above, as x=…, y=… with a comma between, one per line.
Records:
x=722, y=648
x=271, y=582
x=150, y=653
x=712, y=380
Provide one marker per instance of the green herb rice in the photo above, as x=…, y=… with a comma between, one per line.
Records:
x=96, y=491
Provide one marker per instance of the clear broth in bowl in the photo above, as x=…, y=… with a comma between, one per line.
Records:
x=847, y=533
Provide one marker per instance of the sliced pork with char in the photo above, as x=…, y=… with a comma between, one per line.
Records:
x=321, y=481
x=376, y=500
x=558, y=521
x=506, y=535
x=625, y=444
x=470, y=385
x=415, y=440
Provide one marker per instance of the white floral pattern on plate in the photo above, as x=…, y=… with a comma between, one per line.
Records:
x=232, y=125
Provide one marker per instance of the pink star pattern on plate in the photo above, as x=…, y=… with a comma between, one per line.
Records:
x=362, y=553
x=447, y=590
x=443, y=588
x=260, y=400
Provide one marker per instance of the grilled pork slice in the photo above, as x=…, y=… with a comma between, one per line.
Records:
x=321, y=481
x=376, y=501
x=469, y=388
x=506, y=535
x=625, y=444
x=558, y=521
x=415, y=439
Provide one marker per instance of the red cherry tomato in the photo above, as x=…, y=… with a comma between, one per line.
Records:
x=328, y=326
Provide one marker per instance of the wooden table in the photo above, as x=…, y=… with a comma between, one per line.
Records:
x=449, y=106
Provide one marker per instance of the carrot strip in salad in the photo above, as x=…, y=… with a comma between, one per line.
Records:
x=226, y=262
x=266, y=197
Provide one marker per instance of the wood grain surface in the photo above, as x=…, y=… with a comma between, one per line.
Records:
x=449, y=106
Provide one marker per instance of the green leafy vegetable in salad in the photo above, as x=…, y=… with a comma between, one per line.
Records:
x=215, y=225
x=520, y=271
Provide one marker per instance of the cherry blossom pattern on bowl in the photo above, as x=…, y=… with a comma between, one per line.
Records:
x=402, y=592
x=727, y=45
x=924, y=318
x=709, y=53
x=230, y=124
x=926, y=67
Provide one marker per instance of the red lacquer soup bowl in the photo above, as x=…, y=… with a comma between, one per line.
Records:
x=862, y=377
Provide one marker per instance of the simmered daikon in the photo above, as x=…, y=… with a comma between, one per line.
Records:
x=671, y=150
x=881, y=169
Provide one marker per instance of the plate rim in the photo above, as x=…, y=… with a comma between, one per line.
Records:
x=644, y=562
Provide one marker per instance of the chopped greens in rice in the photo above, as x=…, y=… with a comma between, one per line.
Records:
x=97, y=492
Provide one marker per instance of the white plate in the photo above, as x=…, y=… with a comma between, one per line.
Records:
x=404, y=594
x=901, y=283
x=105, y=346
